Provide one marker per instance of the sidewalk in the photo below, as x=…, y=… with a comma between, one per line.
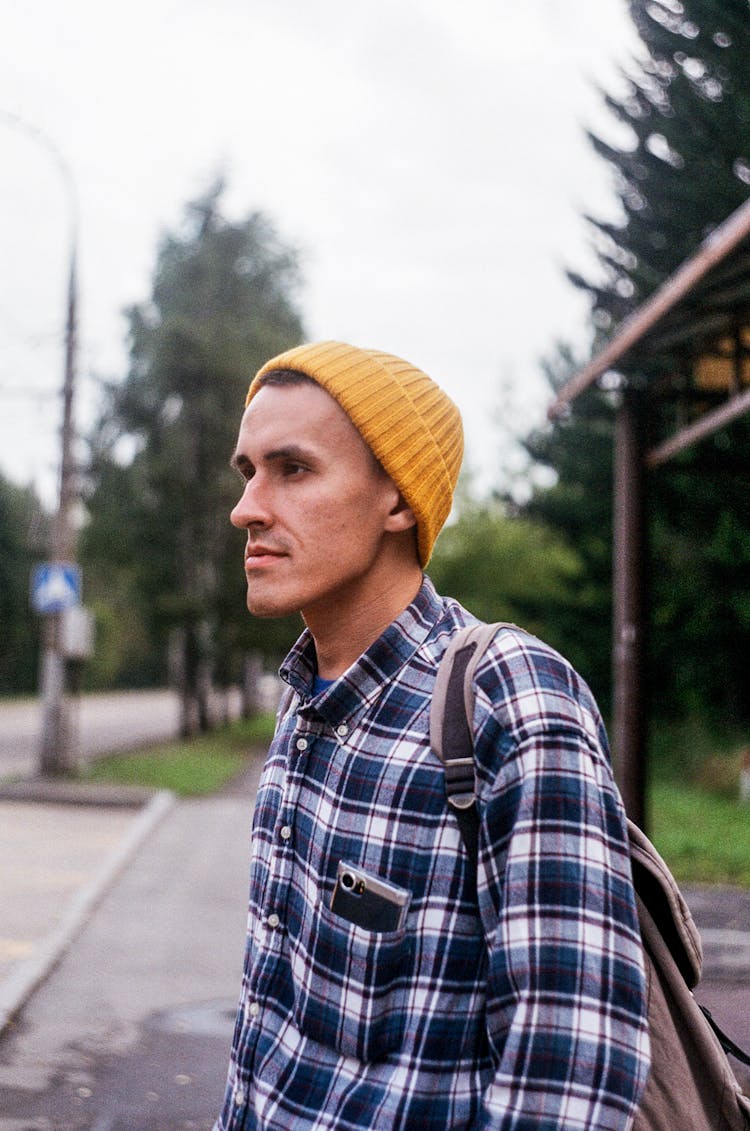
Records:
x=122, y=921
x=61, y=848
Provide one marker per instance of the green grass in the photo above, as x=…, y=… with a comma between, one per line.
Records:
x=704, y=837
x=190, y=768
x=696, y=819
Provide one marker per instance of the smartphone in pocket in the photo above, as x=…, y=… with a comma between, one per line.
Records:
x=368, y=901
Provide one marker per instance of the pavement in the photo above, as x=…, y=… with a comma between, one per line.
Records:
x=122, y=921
x=122, y=930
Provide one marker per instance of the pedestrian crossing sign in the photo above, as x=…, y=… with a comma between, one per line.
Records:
x=55, y=586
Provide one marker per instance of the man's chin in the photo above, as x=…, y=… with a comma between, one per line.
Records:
x=268, y=608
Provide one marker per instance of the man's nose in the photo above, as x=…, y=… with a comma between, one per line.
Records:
x=251, y=508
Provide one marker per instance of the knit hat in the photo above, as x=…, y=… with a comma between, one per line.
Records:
x=407, y=421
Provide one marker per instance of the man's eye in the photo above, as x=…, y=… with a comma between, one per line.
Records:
x=292, y=468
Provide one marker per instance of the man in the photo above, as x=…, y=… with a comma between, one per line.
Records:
x=388, y=982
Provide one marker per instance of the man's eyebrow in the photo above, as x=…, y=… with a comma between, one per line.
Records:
x=241, y=462
x=288, y=451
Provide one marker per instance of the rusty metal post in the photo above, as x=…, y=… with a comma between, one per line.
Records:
x=630, y=729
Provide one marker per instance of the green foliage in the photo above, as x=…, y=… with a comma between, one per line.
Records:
x=159, y=547
x=576, y=507
x=22, y=543
x=700, y=580
x=504, y=567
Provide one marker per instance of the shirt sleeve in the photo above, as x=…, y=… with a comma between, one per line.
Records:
x=566, y=1003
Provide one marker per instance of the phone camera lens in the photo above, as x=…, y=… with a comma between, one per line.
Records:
x=347, y=881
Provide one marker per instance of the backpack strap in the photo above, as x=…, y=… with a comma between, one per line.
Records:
x=725, y=1041
x=451, y=714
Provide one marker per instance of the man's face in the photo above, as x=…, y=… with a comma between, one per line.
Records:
x=315, y=504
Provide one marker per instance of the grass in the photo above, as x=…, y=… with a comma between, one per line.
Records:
x=704, y=837
x=192, y=767
x=697, y=821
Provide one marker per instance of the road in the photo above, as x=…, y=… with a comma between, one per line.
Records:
x=103, y=723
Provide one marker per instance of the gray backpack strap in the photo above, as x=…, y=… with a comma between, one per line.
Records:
x=451, y=715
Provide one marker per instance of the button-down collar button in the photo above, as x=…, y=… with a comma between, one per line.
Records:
x=285, y=833
x=301, y=744
x=273, y=920
x=342, y=730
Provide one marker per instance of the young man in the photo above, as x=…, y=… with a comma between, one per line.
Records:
x=388, y=982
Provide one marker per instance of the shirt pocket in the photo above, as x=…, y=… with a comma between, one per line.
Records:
x=350, y=985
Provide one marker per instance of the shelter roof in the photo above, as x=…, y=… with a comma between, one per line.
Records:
x=688, y=345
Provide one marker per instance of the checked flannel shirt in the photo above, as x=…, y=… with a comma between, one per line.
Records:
x=513, y=997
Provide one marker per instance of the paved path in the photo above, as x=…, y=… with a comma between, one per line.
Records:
x=130, y=1031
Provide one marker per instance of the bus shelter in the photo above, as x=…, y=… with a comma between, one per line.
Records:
x=680, y=366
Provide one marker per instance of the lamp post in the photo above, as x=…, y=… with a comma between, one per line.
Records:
x=56, y=752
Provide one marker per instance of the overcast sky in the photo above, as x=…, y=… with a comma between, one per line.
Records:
x=427, y=157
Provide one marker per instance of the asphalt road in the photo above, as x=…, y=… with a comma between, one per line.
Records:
x=101, y=724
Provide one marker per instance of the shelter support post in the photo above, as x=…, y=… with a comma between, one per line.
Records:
x=629, y=729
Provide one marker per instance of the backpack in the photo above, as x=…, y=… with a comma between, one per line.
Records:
x=691, y=1085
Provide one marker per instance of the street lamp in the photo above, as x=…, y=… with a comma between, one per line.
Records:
x=55, y=755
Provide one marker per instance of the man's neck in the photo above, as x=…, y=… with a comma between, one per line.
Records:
x=343, y=633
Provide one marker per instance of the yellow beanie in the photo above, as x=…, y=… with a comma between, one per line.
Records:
x=407, y=420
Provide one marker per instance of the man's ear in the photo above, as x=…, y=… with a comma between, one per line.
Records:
x=401, y=516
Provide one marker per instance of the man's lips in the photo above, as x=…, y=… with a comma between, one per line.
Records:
x=261, y=555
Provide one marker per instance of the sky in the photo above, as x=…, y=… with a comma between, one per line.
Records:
x=427, y=158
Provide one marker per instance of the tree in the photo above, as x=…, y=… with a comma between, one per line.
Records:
x=577, y=508
x=23, y=528
x=503, y=567
x=685, y=167
x=223, y=301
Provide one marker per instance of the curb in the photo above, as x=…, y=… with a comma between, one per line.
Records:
x=17, y=988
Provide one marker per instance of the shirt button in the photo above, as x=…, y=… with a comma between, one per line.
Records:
x=273, y=920
x=254, y=1009
x=301, y=744
x=342, y=730
x=239, y=1097
x=285, y=833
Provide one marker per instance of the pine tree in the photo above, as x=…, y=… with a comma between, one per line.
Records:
x=687, y=167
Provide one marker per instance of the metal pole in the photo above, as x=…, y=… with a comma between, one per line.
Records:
x=56, y=755
x=629, y=731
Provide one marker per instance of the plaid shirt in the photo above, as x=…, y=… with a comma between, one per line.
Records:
x=513, y=997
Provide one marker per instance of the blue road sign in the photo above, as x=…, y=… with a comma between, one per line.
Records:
x=55, y=586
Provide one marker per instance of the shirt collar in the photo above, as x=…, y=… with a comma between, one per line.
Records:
x=350, y=694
